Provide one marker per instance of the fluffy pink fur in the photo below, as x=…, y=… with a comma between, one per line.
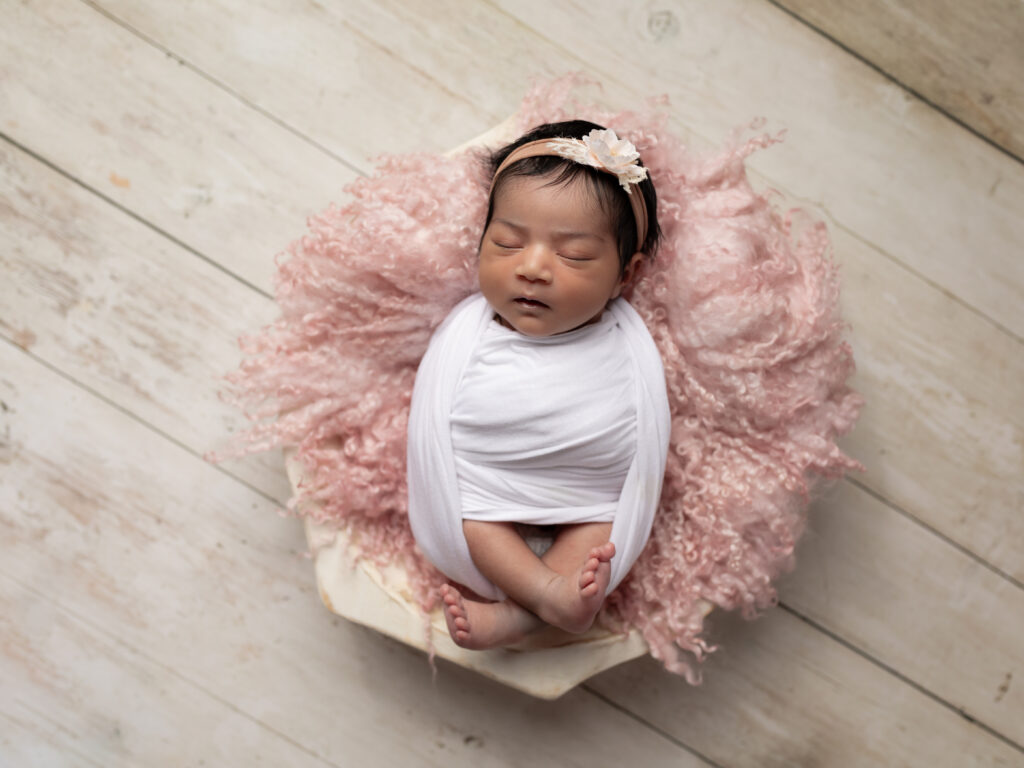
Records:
x=743, y=308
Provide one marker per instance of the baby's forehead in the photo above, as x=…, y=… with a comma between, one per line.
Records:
x=530, y=197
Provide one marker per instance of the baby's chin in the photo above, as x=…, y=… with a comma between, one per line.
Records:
x=539, y=330
x=519, y=327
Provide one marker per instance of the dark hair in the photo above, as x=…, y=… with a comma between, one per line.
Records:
x=610, y=195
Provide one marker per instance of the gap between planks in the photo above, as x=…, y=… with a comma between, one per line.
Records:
x=896, y=81
x=810, y=622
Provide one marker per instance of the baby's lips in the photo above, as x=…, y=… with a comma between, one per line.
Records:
x=530, y=301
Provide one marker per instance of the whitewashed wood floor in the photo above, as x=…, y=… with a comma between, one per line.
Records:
x=156, y=611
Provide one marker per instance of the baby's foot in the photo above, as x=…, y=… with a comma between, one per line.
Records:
x=573, y=604
x=597, y=572
x=478, y=626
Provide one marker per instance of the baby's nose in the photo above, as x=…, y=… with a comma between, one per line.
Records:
x=534, y=265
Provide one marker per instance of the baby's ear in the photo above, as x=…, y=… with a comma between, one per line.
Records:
x=629, y=273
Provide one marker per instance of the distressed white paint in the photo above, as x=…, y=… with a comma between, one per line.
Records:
x=115, y=527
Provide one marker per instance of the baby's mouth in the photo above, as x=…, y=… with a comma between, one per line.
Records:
x=523, y=301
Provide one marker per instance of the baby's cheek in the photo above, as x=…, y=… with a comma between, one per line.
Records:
x=488, y=283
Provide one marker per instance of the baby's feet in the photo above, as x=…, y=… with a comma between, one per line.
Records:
x=479, y=626
x=573, y=606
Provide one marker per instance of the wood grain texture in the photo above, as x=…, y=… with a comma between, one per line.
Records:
x=938, y=488
x=134, y=125
x=74, y=694
x=124, y=311
x=211, y=561
x=943, y=480
x=171, y=178
x=196, y=573
x=789, y=702
x=314, y=66
x=937, y=616
x=966, y=58
x=883, y=165
x=939, y=484
x=942, y=434
x=181, y=284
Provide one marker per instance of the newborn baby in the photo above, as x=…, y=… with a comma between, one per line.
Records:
x=542, y=399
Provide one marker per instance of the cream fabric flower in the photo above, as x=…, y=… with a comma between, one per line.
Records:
x=605, y=151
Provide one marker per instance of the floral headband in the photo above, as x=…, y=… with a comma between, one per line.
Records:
x=600, y=149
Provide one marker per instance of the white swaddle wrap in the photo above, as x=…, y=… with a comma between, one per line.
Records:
x=544, y=427
x=555, y=465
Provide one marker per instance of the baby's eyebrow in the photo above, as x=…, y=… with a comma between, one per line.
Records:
x=570, y=235
x=567, y=234
x=510, y=224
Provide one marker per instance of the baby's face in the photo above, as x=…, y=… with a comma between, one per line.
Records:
x=549, y=261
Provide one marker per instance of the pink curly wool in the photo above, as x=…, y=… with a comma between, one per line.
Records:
x=743, y=310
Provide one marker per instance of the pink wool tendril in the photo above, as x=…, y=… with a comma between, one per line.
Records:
x=742, y=302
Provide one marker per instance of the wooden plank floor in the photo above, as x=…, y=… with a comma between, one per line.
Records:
x=965, y=58
x=154, y=610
